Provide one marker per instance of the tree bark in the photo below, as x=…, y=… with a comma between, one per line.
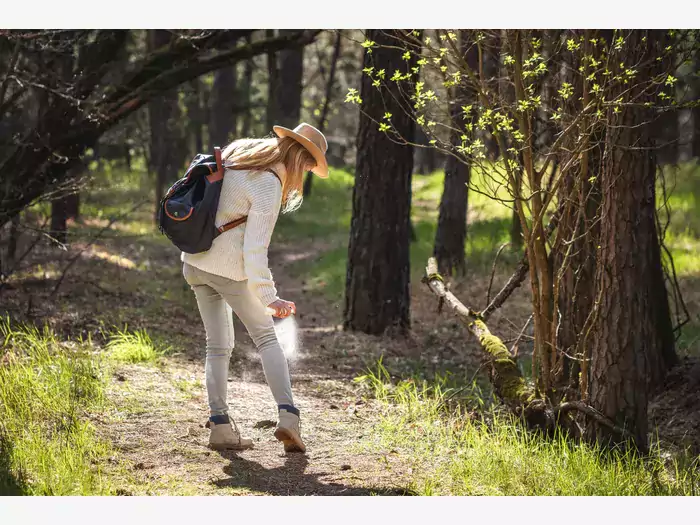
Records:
x=492, y=67
x=246, y=88
x=574, y=250
x=425, y=157
x=377, y=294
x=451, y=230
x=574, y=257
x=516, y=229
x=632, y=343
x=326, y=103
x=59, y=217
x=273, y=85
x=223, y=123
x=162, y=111
x=694, y=82
x=194, y=115
x=291, y=70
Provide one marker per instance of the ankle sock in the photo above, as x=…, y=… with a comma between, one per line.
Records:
x=290, y=409
x=220, y=419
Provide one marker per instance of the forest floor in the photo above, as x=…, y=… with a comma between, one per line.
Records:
x=126, y=279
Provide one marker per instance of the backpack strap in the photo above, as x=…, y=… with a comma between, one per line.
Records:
x=219, y=173
x=230, y=225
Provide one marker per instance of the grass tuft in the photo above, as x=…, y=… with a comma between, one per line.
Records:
x=132, y=347
x=47, y=388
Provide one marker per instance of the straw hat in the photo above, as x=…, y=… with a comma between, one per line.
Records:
x=313, y=140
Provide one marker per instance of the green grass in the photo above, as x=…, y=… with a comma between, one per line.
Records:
x=325, y=217
x=47, y=386
x=48, y=389
x=457, y=453
x=683, y=233
x=133, y=347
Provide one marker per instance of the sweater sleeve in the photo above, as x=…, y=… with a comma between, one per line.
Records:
x=265, y=194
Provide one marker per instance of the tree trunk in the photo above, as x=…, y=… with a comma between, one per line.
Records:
x=574, y=250
x=694, y=82
x=632, y=342
x=194, y=115
x=326, y=103
x=13, y=240
x=516, y=229
x=73, y=205
x=163, y=141
x=246, y=88
x=425, y=157
x=290, y=78
x=451, y=230
x=59, y=218
x=223, y=124
x=574, y=257
x=377, y=288
x=273, y=85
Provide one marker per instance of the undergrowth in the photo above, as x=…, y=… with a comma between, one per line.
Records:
x=457, y=450
x=47, y=388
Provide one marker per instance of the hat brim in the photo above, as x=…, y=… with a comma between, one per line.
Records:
x=321, y=168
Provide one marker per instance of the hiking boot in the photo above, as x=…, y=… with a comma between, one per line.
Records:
x=289, y=430
x=225, y=436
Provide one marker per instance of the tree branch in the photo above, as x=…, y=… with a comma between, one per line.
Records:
x=591, y=412
x=520, y=272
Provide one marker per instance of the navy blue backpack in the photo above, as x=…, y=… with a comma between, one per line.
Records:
x=188, y=209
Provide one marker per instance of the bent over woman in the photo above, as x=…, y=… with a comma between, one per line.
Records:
x=263, y=176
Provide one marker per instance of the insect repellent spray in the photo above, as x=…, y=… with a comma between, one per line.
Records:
x=288, y=336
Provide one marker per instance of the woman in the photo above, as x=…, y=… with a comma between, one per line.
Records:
x=262, y=176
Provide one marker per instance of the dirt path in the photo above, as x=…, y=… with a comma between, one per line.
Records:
x=157, y=426
x=158, y=431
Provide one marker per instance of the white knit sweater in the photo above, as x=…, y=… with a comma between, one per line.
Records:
x=241, y=253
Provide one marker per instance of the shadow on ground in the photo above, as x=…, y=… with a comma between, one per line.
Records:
x=289, y=479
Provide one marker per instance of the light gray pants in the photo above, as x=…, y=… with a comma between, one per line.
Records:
x=216, y=297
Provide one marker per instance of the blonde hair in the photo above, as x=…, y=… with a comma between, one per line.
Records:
x=262, y=154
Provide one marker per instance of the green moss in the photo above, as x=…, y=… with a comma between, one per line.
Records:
x=506, y=375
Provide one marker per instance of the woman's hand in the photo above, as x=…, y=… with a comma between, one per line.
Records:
x=281, y=308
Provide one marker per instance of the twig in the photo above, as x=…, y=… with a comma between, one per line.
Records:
x=580, y=406
x=18, y=261
x=521, y=271
x=493, y=271
x=92, y=241
x=469, y=384
x=514, y=348
x=10, y=71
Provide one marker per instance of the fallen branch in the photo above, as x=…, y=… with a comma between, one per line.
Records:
x=505, y=375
